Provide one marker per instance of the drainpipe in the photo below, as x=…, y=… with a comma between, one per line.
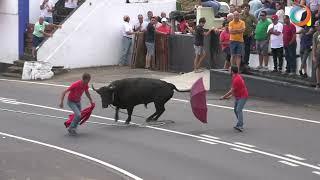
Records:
x=23, y=16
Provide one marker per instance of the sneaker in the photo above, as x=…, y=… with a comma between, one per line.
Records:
x=305, y=75
x=238, y=128
x=72, y=131
x=275, y=70
x=317, y=87
x=300, y=72
x=259, y=67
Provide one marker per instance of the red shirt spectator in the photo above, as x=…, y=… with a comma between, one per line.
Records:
x=239, y=87
x=76, y=90
x=225, y=39
x=183, y=26
x=289, y=32
x=164, y=28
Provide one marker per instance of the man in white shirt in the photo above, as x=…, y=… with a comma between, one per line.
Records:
x=141, y=26
x=276, y=42
x=47, y=7
x=127, y=34
x=70, y=5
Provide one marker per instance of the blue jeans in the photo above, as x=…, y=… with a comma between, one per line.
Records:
x=126, y=51
x=76, y=108
x=291, y=57
x=212, y=3
x=238, y=107
x=49, y=19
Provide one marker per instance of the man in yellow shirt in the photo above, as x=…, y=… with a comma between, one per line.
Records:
x=236, y=30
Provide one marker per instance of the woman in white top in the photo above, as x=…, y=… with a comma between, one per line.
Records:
x=280, y=12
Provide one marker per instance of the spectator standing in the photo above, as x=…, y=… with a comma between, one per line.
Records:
x=232, y=8
x=314, y=6
x=149, y=16
x=149, y=41
x=183, y=25
x=198, y=44
x=305, y=48
x=70, y=5
x=74, y=100
x=39, y=33
x=240, y=92
x=250, y=22
x=276, y=40
x=163, y=15
x=236, y=30
x=290, y=45
x=211, y=3
x=141, y=26
x=280, y=12
x=164, y=28
x=127, y=33
x=316, y=53
x=47, y=8
x=225, y=44
x=262, y=41
x=255, y=5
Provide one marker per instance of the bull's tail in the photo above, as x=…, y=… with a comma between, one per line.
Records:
x=175, y=88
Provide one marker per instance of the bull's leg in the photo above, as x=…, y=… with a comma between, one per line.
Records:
x=130, y=110
x=150, y=118
x=116, y=116
x=160, y=109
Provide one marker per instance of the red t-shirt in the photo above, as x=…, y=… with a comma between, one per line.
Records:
x=288, y=32
x=239, y=87
x=183, y=26
x=76, y=90
x=164, y=29
x=224, y=37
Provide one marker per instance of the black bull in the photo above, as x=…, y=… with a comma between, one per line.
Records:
x=127, y=93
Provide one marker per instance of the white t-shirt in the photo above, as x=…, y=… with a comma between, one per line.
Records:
x=280, y=13
x=71, y=4
x=49, y=5
x=143, y=26
x=126, y=27
x=276, y=41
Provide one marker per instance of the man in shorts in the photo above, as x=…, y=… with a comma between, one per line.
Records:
x=262, y=42
x=149, y=41
x=316, y=53
x=198, y=44
x=236, y=30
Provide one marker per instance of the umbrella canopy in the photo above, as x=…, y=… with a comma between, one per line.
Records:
x=85, y=115
x=198, y=100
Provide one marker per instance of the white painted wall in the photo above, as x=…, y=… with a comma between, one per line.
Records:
x=34, y=10
x=91, y=36
x=9, y=46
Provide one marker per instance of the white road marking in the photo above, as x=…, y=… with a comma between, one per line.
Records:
x=316, y=172
x=208, y=142
x=6, y=99
x=185, y=101
x=197, y=137
x=9, y=102
x=241, y=150
x=295, y=157
x=208, y=136
x=243, y=144
x=122, y=171
x=288, y=163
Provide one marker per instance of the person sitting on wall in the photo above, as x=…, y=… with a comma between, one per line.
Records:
x=70, y=5
x=211, y=3
x=39, y=33
x=163, y=15
x=47, y=8
x=164, y=28
x=183, y=25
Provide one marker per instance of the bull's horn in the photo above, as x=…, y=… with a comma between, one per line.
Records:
x=93, y=87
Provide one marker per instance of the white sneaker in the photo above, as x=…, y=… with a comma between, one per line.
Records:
x=259, y=67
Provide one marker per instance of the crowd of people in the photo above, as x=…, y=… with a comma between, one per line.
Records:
x=244, y=27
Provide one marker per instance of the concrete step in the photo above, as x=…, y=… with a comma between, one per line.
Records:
x=14, y=75
x=15, y=69
x=59, y=71
x=27, y=57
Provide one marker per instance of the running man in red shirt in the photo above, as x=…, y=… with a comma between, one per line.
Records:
x=240, y=92
x=74, y=99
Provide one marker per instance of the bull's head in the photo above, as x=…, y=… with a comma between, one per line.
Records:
x=107, y=94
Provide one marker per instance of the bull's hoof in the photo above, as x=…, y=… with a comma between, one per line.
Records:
x=127, y=122
x=151, y=120
x=115, y=120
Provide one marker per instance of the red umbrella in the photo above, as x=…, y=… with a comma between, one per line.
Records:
x=198, y=100
x=85, y=114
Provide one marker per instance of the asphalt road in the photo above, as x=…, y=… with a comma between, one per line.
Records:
x=280, y=141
